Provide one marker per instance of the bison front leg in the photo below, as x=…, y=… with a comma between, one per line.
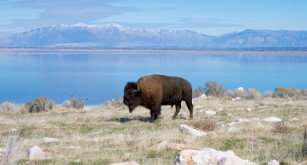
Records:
x=155, y=112
x=178, y=107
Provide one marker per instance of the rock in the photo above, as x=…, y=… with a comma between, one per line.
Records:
x=273, y=162
x=210, y=113
x=209, y=156
x=187, y=129
x=198, y=107
x=243, y=120
x=240, y=89
x=14, y=129
x=221, y=109
x=272, y=119
x=236, y=99
x=166, y=145
x=185, y=157
x=50, y=140
x=37, y=153
x=294, y=119
x=126, y=163
x=248, y=109
x=2, y=150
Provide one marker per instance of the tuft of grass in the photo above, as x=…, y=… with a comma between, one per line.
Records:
x=101, y=162
x=75, y=163
x=204, y=125
x=281, y=128
x=230, y=144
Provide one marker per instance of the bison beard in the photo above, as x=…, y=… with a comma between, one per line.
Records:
x=155, y=90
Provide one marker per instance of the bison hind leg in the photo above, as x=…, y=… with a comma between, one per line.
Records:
x=190, y=106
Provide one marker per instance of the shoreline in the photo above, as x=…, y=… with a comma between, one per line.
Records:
x=150, y=51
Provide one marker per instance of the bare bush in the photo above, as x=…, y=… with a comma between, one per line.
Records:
x=115, y=102
x=40, y=104
x=283, y=92
x=252, y=94
x=10, y=107
x=13, y=151
x=214, y=89
x=239, y=92
x=198, y=92
x=73, y=103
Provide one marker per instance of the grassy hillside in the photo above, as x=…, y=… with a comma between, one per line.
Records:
x=108, y=134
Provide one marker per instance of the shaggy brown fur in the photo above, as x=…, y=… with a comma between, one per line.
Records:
x=156, y=90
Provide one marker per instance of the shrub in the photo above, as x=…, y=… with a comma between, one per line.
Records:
x=253, y=94
x=290, y=93
x=198, y=92
x=213, y=89
x=73, y=103
x=40, y=104
x=115, y=102
x=10, y=107
x=239, y=92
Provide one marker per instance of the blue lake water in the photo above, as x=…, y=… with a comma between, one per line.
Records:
x=95, y=78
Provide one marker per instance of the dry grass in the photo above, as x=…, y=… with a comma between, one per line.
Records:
x=108, y=134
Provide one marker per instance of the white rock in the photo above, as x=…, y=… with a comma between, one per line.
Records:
x=198, y=107
x=241, y=89
x=220, y=109
x=36, y=153
x=2, y=150
x=210, y=113
x=126, y=163
x=14, y=129
x=294, y=119
x=248, y=109
x=209, y=156
x=50, y=140
x=272, y=119
x=273, y=162
x=255, y=119
x=243, y=120
x=187, y=129
x=185, y=157
x=236, y=99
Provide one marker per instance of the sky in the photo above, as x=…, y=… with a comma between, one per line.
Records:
x=212, y=17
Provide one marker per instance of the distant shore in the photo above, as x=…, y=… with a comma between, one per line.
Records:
x=150, y=51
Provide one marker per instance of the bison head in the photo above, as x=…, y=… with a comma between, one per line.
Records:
x=132, y=95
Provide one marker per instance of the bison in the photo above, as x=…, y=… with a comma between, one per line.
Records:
x=155, y=90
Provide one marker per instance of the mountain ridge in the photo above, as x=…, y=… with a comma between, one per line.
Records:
x=119, y=36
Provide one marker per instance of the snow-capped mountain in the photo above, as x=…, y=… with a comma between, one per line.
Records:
x=118, y=36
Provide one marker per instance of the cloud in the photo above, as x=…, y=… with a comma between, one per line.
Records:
x=64, y=12
x=185, y=23
x=190, y=22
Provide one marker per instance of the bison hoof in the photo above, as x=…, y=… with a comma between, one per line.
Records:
x=174, y=117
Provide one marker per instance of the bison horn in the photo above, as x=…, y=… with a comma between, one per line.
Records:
x=138, y=88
